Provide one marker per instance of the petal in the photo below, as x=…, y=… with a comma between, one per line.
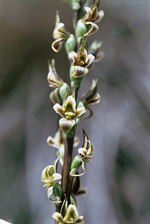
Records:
x=85, y=138
x=81, y=191
x=92, y=30
x=73, y=56
x=82, y=151
x=76, y=141
x=51, y=141
x=57, y=216
x=71, y=103
x=80, y=111
x=59, y=109
x=56, y=32
x=90, y=59
x=57, y=44
x=99, y=56
x=90, y=111
x=79, y=71
x=88, y=13
x=80, y=219
x=100, y=16
x=95, y=100
x=54, y=96
x=66, y=125
x=57, y=176
x=49, y=192
x=72, y=214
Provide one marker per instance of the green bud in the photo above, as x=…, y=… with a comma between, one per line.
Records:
x=76, y=163
x=70, y=44
x=64, y=90
x=57, y=191
x=75, y=81
x=81, y=29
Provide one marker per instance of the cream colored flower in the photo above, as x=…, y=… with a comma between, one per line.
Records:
x=87, y=149
x=54, y=80
x=59, y=33
x=70, y=217
x=92, y=16
x=69, y=112
x=81, y=61
x=49, y=176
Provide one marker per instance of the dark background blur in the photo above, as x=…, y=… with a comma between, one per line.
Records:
x=118, y=178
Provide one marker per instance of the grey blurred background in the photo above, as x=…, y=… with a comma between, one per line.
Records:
x=118, y=178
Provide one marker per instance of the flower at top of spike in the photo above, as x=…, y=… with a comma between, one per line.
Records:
x=80, y=61
x=59, y=33
x=87, y=25
x=87, y=149
x=69, y=112
x=92, y=14
x=71, y=216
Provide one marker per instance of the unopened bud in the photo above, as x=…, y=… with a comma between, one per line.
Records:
x=64, y=91
x=70, y=44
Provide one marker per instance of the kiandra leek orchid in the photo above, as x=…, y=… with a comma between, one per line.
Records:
x=64, y=186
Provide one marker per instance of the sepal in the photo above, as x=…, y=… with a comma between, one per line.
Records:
x=52, y=77
x=66, y=125
x=55, y=97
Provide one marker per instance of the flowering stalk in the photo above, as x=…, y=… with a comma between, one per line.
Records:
x=64, y=98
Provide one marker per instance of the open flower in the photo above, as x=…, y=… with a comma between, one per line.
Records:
x=80, y=61
x=54, y=80
x=50, y=177
x=87, y=149
x=59, y=33
x=70, y=217
x=69, y=113
x=92, y=16
x=87, y=25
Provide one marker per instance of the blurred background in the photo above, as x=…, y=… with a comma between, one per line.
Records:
x=118, y=178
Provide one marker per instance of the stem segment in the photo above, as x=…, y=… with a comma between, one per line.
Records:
x=67, y=164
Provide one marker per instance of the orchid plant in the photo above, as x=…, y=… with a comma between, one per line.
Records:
x=63, y=188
